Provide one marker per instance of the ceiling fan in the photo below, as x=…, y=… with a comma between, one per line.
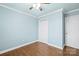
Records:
x=37, y=6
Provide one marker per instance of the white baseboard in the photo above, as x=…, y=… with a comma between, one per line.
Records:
x=10, y=49
x=52, y=45
x=1, y=52
x=72, y=46
x=55, y=46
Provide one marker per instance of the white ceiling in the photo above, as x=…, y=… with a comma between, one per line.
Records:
x=24, y=7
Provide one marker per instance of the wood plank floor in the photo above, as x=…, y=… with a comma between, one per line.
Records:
x=69, y=51
x=41, y=49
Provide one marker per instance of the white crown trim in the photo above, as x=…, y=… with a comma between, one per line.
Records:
x=13, y=9
x=51, y=13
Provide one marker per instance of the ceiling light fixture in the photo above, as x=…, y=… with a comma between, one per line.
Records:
x=37, y=6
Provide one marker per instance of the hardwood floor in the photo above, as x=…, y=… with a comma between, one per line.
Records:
x=69, y=51
x=41, y=49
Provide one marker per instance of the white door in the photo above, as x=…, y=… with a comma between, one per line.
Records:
x=43, y=31
x=72, y=31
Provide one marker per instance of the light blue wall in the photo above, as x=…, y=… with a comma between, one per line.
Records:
x=16, y=29
x=56, y=34
x=55, y=28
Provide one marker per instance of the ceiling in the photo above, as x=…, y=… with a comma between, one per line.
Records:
x=24, y=7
